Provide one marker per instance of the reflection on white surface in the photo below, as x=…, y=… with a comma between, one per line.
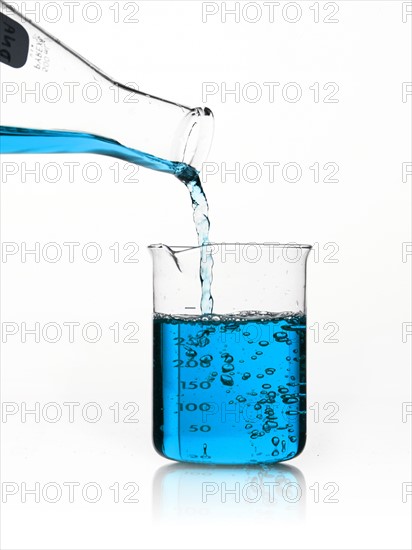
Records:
x=217, y=493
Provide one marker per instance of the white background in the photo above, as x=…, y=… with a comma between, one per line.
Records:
x=171, y=52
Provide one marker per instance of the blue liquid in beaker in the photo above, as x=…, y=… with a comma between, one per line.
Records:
x=230, y=390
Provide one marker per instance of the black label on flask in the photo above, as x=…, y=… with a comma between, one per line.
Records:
x=14, y=42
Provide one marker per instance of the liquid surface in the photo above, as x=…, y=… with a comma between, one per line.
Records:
x=230, y=390
x=26, y=141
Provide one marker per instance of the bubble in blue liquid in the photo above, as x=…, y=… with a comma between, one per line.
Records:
x=280, y=336
x=227, y=357
x=227, y=368
x=288, y=358
x=241, y=399
x=246, y=334
x=266, y=386
x=253, y=357
x=263, y=343
x=275, y=441
x=282, y=389
x=259, y=376
x=191, y=353
x=226, y=380
x=203, y=342
x=290, y=400
x=214, y=373
x=258, y=352
x=293, y=438
x=246, y=376
x=269, y=372
x=275, y=453
x=248, y=426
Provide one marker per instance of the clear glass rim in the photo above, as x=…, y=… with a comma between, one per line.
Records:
x=180, y=248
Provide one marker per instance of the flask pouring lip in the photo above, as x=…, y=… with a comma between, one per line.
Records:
x=193, y=138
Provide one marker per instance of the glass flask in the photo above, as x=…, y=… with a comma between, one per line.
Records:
x=230, y=387
x=55, y=101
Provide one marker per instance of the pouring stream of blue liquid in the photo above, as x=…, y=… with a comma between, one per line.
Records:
x=28, y=141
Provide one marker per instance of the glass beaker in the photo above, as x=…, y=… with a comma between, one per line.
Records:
x=230, y=387
x=55, y=101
